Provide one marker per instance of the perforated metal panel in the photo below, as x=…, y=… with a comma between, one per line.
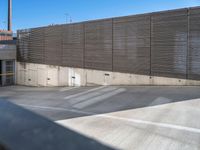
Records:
x=73, y=45
x=98, y=45
x=194, y=44
x=131, y=40
x=169, y=43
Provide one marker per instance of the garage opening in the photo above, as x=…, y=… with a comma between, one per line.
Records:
x=7, y=72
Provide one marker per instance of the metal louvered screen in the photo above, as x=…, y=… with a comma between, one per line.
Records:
x=36, y=46
x=131, y=39
x=23, y=45
x=98, y=45
x=169, y=44
x=53, y=45
x=194, y=44
x=162, y=44
x=73, y=45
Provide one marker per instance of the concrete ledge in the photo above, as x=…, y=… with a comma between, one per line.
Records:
x=45, y=75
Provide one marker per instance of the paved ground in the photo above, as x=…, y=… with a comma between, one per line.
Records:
x=123, y=117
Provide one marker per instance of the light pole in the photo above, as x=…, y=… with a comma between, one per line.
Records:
x=70, y=19
x=67, y=17
x=4, y=25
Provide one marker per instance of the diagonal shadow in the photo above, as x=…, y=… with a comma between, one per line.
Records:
x=24, y=130
x=2, y=147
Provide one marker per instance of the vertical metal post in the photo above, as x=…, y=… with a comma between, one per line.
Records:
x=150, y=46
x=188, y=44
x=112, y=44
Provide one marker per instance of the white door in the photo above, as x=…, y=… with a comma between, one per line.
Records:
x=106, y=78
x=74, y=77
x=71, y=77
x=52, y=76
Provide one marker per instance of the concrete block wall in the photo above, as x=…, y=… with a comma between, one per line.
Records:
x=49, y=76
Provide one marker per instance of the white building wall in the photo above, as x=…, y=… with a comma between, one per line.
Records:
x=45, y=75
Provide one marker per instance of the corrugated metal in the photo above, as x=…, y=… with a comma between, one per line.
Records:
x=169, y=43
x=131, y=51
x=194, y=44
x=98, y=45
x=53, y=45
x=73, y=45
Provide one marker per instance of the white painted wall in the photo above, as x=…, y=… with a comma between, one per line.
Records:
x=45, y=75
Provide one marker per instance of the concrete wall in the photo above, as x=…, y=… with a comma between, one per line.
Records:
x=44, y=75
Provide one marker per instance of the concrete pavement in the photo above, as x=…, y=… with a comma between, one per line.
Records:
x=122, y=117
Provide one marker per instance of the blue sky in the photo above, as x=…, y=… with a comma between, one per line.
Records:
x=34, y=13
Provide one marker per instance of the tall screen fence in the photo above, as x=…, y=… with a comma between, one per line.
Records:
x=157, y=44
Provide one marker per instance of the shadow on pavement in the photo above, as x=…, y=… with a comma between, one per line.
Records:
x=23, y=130
x=85, y=101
